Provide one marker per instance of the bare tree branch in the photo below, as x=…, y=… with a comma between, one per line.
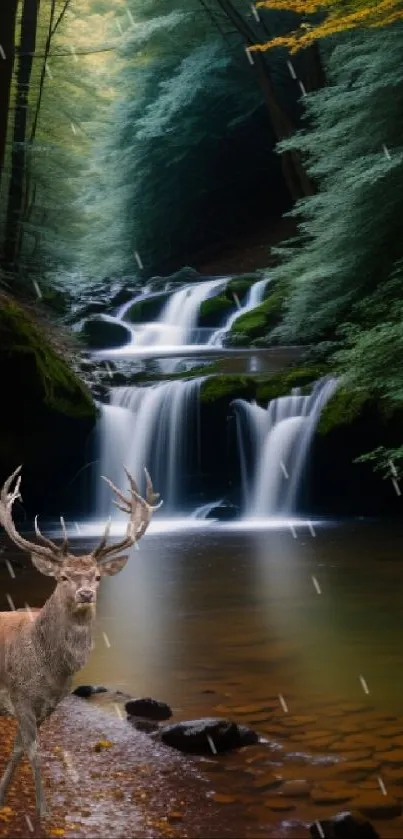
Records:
x=60, y=18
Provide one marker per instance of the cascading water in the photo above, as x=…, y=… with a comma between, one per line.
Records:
x=254, y=298
x=275, y=442
x=178, y=319
x=149, y=426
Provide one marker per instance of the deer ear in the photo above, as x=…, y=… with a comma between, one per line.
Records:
x=45, y=566
x=108, y=569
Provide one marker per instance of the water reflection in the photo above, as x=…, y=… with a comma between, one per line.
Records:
x=236, y=613
x=214, y=605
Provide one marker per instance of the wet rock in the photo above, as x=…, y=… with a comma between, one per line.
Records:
x=224, y=512
x=393, y=757
x=85, y=691
x=376, y=805
x=99, y=333
x=332, y=793
x=299, y=722
x=208, y=736
x=268, y=781
x=147, y=726
x=279, y=804
x=295, y=789
x=148, y=708
x=354, y=769
x=344, y=826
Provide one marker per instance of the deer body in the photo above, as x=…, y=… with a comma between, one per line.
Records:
x=40, y=654
x=42, y=649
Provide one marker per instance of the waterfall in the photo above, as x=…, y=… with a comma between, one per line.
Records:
x=275, y=442
x=150, y=426
x=254, y=298
x=178, y=319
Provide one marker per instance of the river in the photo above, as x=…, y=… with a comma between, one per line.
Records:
x=298, y=635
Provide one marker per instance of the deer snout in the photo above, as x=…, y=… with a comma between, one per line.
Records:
x=85, y=595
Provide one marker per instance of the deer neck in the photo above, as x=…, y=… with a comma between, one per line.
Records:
x=64, y=635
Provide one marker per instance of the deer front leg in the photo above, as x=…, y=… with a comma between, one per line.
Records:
x=29, y=731
x=18, y=751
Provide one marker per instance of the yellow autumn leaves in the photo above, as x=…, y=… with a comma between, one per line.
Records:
x=337, y=16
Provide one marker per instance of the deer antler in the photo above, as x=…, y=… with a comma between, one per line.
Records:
x=140, y=511
x=8, y=495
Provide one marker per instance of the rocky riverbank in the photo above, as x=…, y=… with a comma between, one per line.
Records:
x=103, y=778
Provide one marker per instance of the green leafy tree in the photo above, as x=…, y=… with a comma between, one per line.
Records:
x=349, y=236
x=171, y=176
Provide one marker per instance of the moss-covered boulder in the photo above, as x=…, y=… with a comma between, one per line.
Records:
x=240, y=286
x=149, y=309
x=343, y=408
x=214, y=310
x=47, y=412
x=255, y=325
x=227, y=386
x=281, y=384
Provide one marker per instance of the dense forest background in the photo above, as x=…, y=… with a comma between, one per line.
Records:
x=139, y=137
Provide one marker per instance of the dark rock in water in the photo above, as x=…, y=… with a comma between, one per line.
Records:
x=147, y=726
x=224, y=512
x=100, y=334
x=148, y=708
x=208, y=736
x=85, y=691
x=344, y=826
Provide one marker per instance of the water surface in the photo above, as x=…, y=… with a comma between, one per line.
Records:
x=229, y=622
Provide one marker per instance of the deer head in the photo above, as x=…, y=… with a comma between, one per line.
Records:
x=79, y=576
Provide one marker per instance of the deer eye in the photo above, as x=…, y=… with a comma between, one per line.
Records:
x=98, y=577
x=63, y=577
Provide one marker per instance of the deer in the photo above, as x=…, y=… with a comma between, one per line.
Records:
x=42, y=649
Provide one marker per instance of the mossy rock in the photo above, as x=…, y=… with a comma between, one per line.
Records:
x=214, y=309
x=227, y=386
x=100, y=334
x=147, y=310
x=28, y=357
x=240, y=286
x=343, y=408
x=281, y=384
x=261, y=320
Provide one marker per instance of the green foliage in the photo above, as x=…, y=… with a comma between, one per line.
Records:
x=185, y=100
x=21, y=342
x=349, y=231
x=388, y=462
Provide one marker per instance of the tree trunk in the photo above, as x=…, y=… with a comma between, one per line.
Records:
x=29, y=22
x=298, y=182
x=313, y=71
x=7, y=28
